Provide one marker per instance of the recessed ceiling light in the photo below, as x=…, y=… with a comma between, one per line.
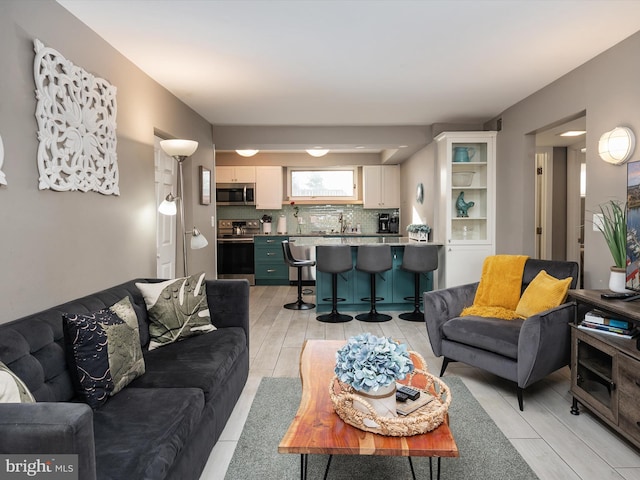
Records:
x=573, y=133
x=359, y=146
x=403, y=146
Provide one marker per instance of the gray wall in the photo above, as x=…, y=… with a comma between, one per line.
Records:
x=607, y=88
x=56, y=246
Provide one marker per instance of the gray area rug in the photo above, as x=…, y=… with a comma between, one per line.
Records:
x=485, y=453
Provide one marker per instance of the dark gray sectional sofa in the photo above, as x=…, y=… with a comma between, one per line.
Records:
x=161, y=426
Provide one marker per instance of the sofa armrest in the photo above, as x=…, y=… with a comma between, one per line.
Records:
x=50, y=428
x=544, y=344
x=229, y=303
x=442, y=305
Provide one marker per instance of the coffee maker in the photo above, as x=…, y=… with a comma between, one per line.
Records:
x=394, y=223
x=383, y=223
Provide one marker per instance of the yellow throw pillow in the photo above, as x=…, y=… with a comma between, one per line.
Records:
x=543, y=293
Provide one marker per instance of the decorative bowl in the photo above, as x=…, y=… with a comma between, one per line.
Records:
x=462, y=179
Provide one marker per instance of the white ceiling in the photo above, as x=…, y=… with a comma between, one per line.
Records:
x=359, y=62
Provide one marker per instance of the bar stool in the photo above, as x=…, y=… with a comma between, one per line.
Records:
x=334, y=259
x=373, y=259
x=418, y=259
x=299, y=264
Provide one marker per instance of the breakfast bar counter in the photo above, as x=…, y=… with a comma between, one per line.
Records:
x=395, y=286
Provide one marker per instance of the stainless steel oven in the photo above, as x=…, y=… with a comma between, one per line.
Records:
x=235, y=249
x=235, y=193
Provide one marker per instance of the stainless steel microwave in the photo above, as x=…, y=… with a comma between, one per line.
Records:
x=235, y=193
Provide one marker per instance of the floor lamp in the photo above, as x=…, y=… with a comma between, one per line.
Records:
x=180, y=150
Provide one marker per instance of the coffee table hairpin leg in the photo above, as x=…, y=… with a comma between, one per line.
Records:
x=304, y=462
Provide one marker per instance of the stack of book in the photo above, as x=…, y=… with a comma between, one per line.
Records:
x=604, y=323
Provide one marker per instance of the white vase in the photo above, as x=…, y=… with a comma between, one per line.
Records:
x=266, y=227
x=382, y=400
x=617, y=280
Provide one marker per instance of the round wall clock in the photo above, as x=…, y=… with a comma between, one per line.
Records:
x=419, y=193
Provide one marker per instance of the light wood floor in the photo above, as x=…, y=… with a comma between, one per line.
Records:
x=555, y=443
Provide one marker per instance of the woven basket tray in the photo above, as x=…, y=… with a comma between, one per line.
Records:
x=423, y=420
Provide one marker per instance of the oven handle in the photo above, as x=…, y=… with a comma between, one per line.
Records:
x=244, y=194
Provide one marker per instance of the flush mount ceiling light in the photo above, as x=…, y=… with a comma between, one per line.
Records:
x=317, y=152
x=247, y=153
x=573, y=133
x=616, y=146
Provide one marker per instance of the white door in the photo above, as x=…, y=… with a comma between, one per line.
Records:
x=165, y=181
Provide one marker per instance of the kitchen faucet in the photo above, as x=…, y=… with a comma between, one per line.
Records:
x=343, y=225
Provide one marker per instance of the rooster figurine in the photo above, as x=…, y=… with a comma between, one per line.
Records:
x=462, y=206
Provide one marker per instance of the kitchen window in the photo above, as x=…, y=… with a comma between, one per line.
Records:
x=322, y=183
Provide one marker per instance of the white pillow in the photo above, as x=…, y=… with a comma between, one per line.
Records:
x=12, y=389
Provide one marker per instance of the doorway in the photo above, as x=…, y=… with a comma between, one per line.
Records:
x=166, y=174
x=560, y=191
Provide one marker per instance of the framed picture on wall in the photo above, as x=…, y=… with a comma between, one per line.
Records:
x=205, y=186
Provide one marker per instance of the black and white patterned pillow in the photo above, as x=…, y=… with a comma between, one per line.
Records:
x=12, y=389
x=177, y=309
x=106, y=349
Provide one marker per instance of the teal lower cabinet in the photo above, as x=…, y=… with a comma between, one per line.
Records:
x=269, y=264
x=393, y=286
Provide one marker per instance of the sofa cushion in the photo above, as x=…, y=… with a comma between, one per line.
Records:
x=104, y=351
x=204, y=362
x=140, y=432
x=177, y=309
x=543, y=293
x=12, y=389
x=491, y=334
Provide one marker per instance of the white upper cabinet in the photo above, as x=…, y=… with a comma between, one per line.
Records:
x=269, y=188
x=381, y=186
x=237, y=174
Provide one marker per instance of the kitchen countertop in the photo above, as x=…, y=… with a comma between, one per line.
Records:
x=355, y=240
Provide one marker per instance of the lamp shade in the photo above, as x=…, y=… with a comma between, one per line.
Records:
x=179, y=148
x=247, y=153
x=198, y=240
x=317, y=152
x=168, y=206
x=616, y=146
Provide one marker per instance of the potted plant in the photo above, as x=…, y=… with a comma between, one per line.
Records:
x=419, y=231
x=371, y=365
x=614, y=229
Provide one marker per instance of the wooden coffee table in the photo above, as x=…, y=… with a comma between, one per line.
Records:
x=317, y=429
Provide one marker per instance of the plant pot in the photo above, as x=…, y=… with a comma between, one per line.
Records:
x=266, y=227
x=382, y=400
x=617, y=280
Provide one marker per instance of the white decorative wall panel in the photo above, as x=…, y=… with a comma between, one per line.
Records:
x=76, y=114
x=3, y=179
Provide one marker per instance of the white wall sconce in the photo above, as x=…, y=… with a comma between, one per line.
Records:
x=180, y=150
x=247, y=153
x=617, y=146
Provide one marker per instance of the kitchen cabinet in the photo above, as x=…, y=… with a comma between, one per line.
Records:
x=465, y=204
x=381, y=186
x=605, y=369
x=270, y=267
x=238, y=174
x=269, y=188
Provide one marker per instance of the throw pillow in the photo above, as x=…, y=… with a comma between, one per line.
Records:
x=12, y=389
x=106, y=349
x=177, y=309
x=544, y=292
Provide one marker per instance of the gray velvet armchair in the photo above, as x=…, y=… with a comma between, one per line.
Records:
x=523, y=351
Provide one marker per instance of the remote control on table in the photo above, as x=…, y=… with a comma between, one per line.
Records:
x=412, y=393
x=401, y=397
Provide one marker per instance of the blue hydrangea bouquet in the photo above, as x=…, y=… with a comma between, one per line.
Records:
x=368, y=363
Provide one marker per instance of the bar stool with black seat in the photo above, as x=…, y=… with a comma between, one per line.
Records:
x=299, y=264
x=334, y=259
x=373, y=259
x=419, y=259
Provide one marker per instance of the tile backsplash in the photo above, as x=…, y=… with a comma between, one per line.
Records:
x=312, y=218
